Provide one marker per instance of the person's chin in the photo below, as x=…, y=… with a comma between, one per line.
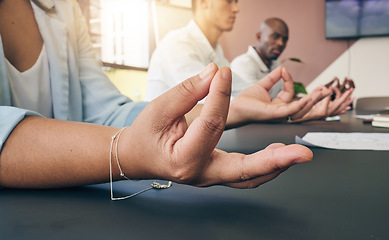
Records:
x=274, y=57
x=229, y=26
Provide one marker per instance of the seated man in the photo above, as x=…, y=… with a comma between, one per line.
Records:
x=261, y=59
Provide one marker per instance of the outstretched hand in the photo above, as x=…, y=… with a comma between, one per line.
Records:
x=255, y=103
x=326, y=107
x=163, y=146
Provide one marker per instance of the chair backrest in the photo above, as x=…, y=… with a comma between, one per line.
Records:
x=371, y=105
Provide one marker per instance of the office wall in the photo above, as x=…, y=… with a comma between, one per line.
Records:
x=170, y=17
x=367, y=63
x=306, y=21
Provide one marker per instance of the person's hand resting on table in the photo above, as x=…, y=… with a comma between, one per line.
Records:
x=254, y=104
x=48, y=153
x=169, y=149
x=329, y=108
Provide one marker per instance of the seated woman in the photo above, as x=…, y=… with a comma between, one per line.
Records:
x=62, y=120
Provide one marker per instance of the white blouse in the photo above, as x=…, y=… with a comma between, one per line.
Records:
x=31, y=89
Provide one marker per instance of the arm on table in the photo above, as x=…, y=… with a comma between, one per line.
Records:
x=44, y=153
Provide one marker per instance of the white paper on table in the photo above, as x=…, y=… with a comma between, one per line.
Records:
x=369, y=116
x=346, y=141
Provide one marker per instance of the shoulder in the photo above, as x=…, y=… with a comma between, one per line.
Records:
x=63, y=10
x=243, y=60
x=174, y=38
x=178, y=42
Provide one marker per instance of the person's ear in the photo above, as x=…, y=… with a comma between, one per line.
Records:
x=258, y=35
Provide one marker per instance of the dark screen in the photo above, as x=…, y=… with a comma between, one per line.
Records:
x=357, y=18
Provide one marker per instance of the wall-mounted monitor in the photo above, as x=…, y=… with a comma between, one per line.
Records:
x=356, y=18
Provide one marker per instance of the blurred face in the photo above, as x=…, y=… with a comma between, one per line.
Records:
x=222, y=14
x=272, y=41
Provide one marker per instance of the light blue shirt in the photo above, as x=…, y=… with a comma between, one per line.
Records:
x=80, y=89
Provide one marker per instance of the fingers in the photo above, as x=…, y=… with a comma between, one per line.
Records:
x=186, y=94
x=206, y=130
x=336, y=92
x=325, y=92
x=241, y=171
x=315, y=97
x=287, y=92
x=317, y=108
x=270, y=79
x=218, y=100
x=322, y=109
x=340, y=103
x=292, y=108
x=318, y=111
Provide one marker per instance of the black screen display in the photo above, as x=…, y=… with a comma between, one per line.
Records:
x=357, y=18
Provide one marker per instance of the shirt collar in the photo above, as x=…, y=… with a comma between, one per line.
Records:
x=44, y=4
x=211, y=52
x=262, y=66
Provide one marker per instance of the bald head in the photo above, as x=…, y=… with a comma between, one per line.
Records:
x=274, y=23
x=272, y=38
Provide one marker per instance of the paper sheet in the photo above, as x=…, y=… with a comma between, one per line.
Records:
x=346, y=141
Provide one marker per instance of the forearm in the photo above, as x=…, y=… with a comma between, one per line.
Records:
x=43, y=153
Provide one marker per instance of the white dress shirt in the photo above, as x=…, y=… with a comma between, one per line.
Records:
x=250, y=68
x=181, y=54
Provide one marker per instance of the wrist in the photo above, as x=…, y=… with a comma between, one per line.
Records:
x=122, y=157
x=132, y=155
x=235, y=116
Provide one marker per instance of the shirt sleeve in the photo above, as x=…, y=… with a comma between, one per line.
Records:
x=102, y=102
x=9, y=118
x=249, y=73
x=172, y=62
x=246, y=69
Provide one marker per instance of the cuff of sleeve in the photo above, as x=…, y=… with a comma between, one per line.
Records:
x=9, y=118
x=135, y=111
